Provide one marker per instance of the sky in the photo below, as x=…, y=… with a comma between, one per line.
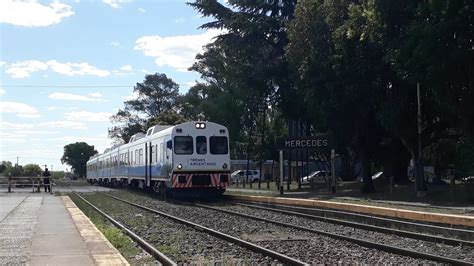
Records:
x=67, y=66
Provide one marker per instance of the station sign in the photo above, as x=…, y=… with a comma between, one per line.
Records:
x=295, y=143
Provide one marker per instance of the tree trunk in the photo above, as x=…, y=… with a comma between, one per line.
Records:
x=420, y=180
x=368, y=185
x=400, y=172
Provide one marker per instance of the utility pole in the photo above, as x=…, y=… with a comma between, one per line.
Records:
x=420, y=179
x=17, y=160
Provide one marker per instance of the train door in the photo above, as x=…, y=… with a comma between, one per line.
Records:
x=149, y=163
x=168, y=157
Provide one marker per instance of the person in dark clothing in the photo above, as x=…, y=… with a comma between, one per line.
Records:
x=46, y=182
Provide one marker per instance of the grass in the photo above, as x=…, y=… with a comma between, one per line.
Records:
x=68, y=182
x=115, y=236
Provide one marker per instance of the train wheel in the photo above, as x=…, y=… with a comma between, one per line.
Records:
x=163, y=190
x=156, y=187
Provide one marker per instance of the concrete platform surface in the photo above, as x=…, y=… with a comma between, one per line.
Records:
x=49, y=230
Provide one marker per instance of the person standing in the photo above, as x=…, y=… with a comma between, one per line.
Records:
x=46, y=180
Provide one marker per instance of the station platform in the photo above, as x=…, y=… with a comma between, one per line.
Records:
x=42, y=229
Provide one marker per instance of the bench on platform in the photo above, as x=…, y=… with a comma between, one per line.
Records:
x=15, y=181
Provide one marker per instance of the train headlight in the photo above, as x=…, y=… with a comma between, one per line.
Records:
x=179, y=166
x=200, y=125
x=224, y=166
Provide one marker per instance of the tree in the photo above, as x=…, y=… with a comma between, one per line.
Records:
x=333, y=50
x=166, y=118
x=156, y=94
x=244, y=68
x=32, y=170
x=129, y=125
x=14, y=170
x=76, y=155
x=4, y=165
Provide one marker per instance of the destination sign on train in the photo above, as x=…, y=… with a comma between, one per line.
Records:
x=319, y=142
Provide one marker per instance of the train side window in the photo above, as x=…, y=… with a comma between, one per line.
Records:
x=162, y=157
x=218, y=145
x=152, y=151
x=201, y=145
x=183, y=145
x=140, y=156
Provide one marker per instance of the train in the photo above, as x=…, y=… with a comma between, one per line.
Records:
x=190, y=158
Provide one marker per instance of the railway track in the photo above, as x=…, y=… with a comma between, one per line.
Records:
x=160, y=257
x=362, y=242
x=305, y=240
x=228, y=238
x=432, y=233
x=423, y=231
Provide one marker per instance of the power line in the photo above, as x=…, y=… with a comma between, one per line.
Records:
x=64, y=86
x=77, y=86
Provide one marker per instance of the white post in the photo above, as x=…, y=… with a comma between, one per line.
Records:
x=281, y=172
x=333, y=170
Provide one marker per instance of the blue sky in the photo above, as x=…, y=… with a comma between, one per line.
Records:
x=66, y=66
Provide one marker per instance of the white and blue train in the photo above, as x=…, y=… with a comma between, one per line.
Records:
x=188, y=157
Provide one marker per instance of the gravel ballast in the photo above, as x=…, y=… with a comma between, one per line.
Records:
x=305, y=246
x=181, y=243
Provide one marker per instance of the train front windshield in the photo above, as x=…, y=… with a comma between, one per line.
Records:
x=184, y=145
x=218, y=145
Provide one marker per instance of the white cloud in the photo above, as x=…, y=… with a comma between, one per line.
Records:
x=73, y=69
x=2, y=63
x=20, y=109
x=176, y=51
x=23, y=69
x=132, y=96
x=126, y=68
x=64, y=124
x=2, y=91
x=96, y=95
x=31, y=13
x=30, y=132
x=55, y=108
x=8, y=126
x=115, y=43
x=179, y=20
x=88, y=116
x=142, y=10
x=115, y=3
x=75, y=97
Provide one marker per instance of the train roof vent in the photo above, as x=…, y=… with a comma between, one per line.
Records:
x=155, y=129
x=136, y=137
x=116, y=146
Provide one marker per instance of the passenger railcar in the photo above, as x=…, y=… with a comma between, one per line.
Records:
x=185, y=158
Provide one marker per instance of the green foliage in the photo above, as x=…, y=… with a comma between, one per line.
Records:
x=76, y=155
x=4, y=165
x=157, y=94
x=32, y=170
x=244, y=70
x=166, y=118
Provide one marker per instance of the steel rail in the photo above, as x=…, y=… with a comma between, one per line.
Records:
x=162, y=258
x=365, y=243
x=256, y=248
x=425, y=237
x=462, y=234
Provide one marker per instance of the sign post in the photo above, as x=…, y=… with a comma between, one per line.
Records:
x=281, y=172
x=333, y=170
x=320, y=142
